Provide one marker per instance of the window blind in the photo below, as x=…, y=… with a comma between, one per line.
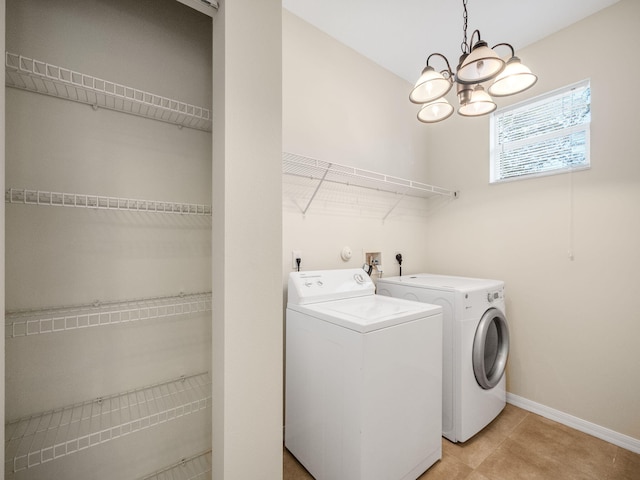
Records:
x=545, y=135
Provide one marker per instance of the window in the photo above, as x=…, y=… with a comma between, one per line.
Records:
x=542, y=136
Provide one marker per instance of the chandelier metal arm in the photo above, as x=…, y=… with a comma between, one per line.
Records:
x=473, y=35
x=449, y=71
x=513, y=52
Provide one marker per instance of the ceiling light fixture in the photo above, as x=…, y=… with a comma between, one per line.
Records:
x=478, y=64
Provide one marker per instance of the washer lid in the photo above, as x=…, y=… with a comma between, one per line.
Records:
x=368, y=313
x=444, y=282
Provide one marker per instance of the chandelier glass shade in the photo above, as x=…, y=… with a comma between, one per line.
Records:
x=435, y=111
x=480, y=103
x=515, y=78
x=478, y=64
x=430, y=86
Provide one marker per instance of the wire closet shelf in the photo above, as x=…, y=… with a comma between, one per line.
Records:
x=61, y=319
x=100, y=202
x=47, y=436
x=42, y=77
x=321, y=171
x=197, y=467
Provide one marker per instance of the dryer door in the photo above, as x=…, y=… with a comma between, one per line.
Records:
x=490, y=348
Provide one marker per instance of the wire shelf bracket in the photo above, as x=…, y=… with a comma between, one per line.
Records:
x=47, y=436
x=310, y=168
x=41, y=77
x=23, y=323
x=315, y=192
x=98, y=202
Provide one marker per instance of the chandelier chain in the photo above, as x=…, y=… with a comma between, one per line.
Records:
x=464, y=46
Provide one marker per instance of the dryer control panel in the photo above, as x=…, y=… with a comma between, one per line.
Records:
x=475, y=303
x=495, y=295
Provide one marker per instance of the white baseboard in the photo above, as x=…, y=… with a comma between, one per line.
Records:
x=619, y=439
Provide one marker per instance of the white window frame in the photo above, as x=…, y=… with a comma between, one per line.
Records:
x=495, y=147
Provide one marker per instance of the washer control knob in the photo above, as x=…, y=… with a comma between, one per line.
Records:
x=319, y=283
x=490, y=297
x=359, y=278
x=307, y=283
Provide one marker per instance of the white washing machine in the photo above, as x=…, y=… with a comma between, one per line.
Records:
x=363, y=379
x=475, y=345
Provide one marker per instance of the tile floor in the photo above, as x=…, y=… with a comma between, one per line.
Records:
x=519, y=445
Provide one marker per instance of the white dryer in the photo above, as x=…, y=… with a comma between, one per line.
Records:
x=475, y=345
x=363, y=379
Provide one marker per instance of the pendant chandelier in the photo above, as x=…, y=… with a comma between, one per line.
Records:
x=478, y=64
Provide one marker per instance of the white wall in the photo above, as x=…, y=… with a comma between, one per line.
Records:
x=340, y=107
x=574, y=323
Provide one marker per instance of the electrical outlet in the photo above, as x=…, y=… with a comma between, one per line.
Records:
x=295, y=254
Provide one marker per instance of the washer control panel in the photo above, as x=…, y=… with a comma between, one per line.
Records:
x=327, y=285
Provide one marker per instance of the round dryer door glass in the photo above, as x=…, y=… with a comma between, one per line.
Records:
x=490, y=348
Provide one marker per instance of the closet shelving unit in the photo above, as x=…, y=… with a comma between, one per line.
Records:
x=47, y=436
x=319, y=172
x=60, y=319
x=42, y=77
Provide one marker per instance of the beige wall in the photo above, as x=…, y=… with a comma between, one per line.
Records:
x=2, y=230
x=575, y=323
x=340, y=107
x=247, y=238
